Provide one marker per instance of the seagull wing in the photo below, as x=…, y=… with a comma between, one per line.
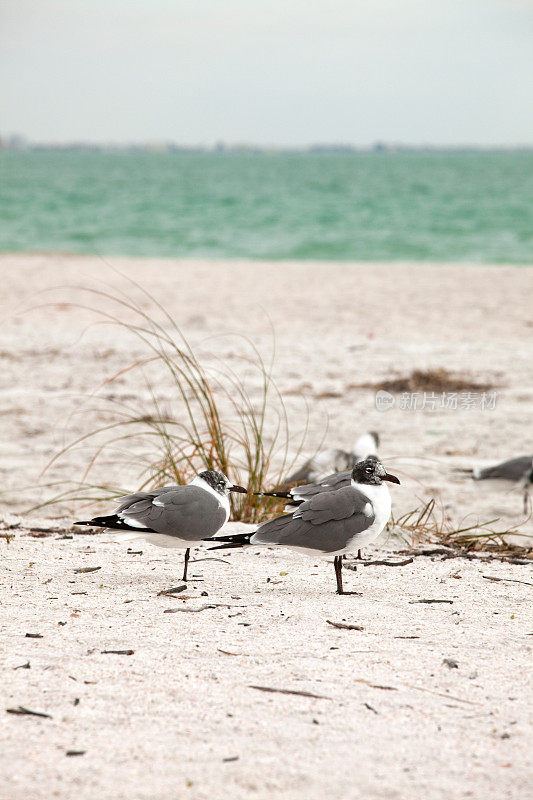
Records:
x=337, y=480
x=515, y=469
x=188, y=512
x=326, y=522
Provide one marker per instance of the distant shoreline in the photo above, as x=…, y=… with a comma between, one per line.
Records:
x=20, y=144
x=228, y=260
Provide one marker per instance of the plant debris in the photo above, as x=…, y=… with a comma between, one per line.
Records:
x=175, y=590
x=87, y=569
x=345, y=626
x=388, y=563
x=428, y=380
x=119, y=652
x=26, y=711
x=412, y=602
x=376, y=685
x=506, y=580
x=451, y=663
x=34, y=636
x=289, y=691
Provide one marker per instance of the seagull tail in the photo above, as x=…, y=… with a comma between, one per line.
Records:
x=470, y=471
x=237, y=540
x=114, y=522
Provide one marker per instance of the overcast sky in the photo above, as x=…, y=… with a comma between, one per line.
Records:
x=288, y=72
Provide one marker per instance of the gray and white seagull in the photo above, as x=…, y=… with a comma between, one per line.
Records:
x=330, y=483
x=333, y=461
x=516, y=470
x=331, y=522
x=174, y=516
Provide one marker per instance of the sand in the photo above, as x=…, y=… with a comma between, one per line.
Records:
x=178, y=717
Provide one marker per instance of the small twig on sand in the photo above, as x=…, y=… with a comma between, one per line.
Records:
x=200, y=608
x=387, y=563
x=119, y=652
x=413, y=602
x=87, y=569
x=446, y=553
x=227, y=652
x=345, y=626
x=505, y=580
x=196, y=560
x=175, y=590
x=289, y=691
x=375, y=685
x=21, y=710
x=441, y=694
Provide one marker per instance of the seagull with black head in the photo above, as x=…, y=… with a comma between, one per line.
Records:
x=174, y=516
x=331, y=522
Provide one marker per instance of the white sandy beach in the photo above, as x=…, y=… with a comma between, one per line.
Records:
x=178, y=718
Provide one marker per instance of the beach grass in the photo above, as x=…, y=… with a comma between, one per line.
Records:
x=219, y=425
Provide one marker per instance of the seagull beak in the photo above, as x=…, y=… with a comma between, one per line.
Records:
x=242, y=490
x=391, y=478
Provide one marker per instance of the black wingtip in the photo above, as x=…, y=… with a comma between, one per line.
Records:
x=283, y=495
x=236, y=540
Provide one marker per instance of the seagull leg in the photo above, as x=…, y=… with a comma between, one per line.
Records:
x=185, y=564
x=337, y=564
x=359, y=555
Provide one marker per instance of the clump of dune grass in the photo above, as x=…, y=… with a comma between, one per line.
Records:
x=218, y=426
x=429, y=523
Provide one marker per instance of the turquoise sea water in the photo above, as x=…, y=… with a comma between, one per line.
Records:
x=462, y=206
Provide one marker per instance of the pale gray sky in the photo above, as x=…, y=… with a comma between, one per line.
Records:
x=288, y=72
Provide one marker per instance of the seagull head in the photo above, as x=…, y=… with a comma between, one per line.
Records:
x=219, y=482
x=371, y=471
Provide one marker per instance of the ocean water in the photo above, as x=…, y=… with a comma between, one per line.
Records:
x=460, y=206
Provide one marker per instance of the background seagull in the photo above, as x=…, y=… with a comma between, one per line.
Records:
x=516, y=470
x=330, y=522
x=174, y=516
x=328, y=461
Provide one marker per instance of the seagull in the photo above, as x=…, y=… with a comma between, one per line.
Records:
x=516, y=470
x=298, y=494
x=332, y=460
x=331, y=522
x=174, y=516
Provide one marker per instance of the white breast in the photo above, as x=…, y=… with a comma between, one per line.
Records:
x=379, y=497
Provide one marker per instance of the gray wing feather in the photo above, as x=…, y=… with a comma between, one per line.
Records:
x=187, y=512
x=326, y=522
x=330, y=483
x=515, y=469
